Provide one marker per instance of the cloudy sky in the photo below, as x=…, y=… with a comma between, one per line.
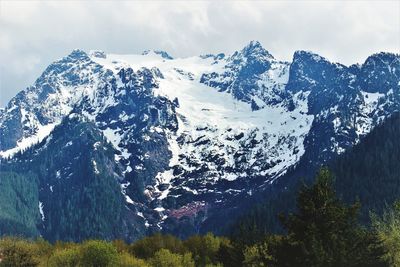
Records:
x=34, y=34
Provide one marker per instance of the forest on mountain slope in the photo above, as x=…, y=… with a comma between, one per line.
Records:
x=344, y=217
x=368, y=173
x=323, y=231
x=86, y=204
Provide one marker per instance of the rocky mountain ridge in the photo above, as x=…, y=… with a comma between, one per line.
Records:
x=190, y=136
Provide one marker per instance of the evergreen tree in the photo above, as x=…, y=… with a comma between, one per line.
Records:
x=325, y=232
x=370, y=171
x=388, y=230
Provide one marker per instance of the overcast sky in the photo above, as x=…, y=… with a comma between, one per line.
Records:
x=34, y=34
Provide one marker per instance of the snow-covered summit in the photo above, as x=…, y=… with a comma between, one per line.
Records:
x=161, y=53
x=254, y=49
x=205, y=129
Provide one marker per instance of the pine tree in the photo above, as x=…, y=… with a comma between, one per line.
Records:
x=388, y=230
x=325, y=232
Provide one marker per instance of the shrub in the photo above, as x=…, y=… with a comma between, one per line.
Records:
x=120, y=245
x=127, y=260
x=42, y=250
x=16, y=252
x=257, y=255
x=98, y=253
x=146, y=247
x=64, y=258
x=165, y=258
x=204, y=248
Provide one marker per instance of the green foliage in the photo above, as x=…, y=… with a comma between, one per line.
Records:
x=322, y=232
x=388, y=230
x=369, y=172
x=210, y=250
x=262, y=219
x=17, y=252
x=120, y=245
x=42, y=250
x=87, y=205
x=98, y=253
x=325, y=232
x=260, y=253
x=165, y=258
x=229, y=253
x=19, y=212
x=127, y=260
x=148, y=246
x=256, y=255
x=69, y=257
x=204, y=248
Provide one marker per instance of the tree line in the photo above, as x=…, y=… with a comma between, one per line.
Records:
x=322, y=231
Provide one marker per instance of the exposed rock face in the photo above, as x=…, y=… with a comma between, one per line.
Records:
x=168, y=142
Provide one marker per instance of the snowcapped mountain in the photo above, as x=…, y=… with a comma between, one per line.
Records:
x=185, y=137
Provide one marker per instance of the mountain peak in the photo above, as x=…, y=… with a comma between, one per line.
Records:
x=255, y=47
x=97, y=53
x=161, y=53
x=303, y=54
x=78, y=53
x=382, y=57
x=184, y=137
x=254, y=44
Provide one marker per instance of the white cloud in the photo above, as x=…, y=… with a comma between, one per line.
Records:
x=33, y=34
